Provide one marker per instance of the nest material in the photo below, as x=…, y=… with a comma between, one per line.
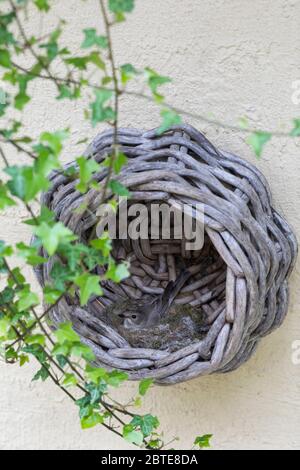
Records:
x=240, y=277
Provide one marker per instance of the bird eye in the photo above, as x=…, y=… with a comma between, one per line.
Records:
x=133, y=316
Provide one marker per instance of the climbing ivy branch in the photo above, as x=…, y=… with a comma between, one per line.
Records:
x=25, y=328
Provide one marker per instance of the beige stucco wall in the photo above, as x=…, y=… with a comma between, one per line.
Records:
x=227, y=58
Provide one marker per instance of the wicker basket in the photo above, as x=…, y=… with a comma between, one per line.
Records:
x=243, y=291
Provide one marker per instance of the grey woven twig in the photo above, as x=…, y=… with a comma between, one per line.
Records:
x=251, y=248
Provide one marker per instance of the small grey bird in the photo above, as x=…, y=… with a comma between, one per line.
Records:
x=149, y=311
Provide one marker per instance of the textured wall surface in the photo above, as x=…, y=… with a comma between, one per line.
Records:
x=229, y=59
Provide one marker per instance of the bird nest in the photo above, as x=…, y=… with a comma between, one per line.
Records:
x=236, y=291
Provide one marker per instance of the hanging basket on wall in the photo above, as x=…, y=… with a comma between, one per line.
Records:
x=237, y=288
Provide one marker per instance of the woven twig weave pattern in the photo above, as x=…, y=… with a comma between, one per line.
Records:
x=251, y=248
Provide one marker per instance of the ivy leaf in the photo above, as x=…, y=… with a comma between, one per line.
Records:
x=55, y=140
x=116, y=378
x=121, y=6
x=67, y=92
x=69, y=380
x=132, y=436
x=83, y=351
x=203, y=442
x=5, y=200
x=104, y=244
x=120, y=161
x=65, y=333
x=91, y=39
x=5, y=60
x=51, y=295
x=144, y=386
x=101, y=112
x=89, y=285
x=146, y=423
x=52, y=236
x=154, y=81
x=25, y=182
x=5, y=325
x=42, y=374
x=46, y=215
x=128, y=71
x=296, y=131
x=170, y=118
x=91, y=420
x=95, y=374
x=36, y=339
x=30, y=254
x=117, y=273
x=82, y=62
x=118, y=188
x=42, y=5
x=258, y=140
x=27, y=299
x=87, y=167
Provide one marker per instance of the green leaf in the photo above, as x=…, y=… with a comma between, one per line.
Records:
x=128, y=71
x=120, y=161
x=36, y=339
x=132, y=436
x=30, y=254
x=89, y=285
x=51, y=295
x=55, y=140
x=296, y=131
x=203, y=442
x=25, y=182
x=52, y=236
x=121, y=6
x=118, y=272
x=5, y=324
x=154, y=81
x=42, y=5
x=144, y=386
x=69, y=380
x=68, y=92
x=42, y=374
x=5, y=60
x=258, y=140
x=95, y=374
x=5, y=200
x=118, y=188
x=92, y=39
x=92, y=420
x=27, y=299
x=84, y=351
x=87, y=167
x=101, y=112
x=82, y=62
x=104, y=244
x=65, y=333
x=147, y=424
x=116, y=378
x=170, y=118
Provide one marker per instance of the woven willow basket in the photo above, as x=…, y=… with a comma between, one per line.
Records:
x=243, y=291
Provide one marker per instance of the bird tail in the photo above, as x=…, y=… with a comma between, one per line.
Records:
x=173, y=289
